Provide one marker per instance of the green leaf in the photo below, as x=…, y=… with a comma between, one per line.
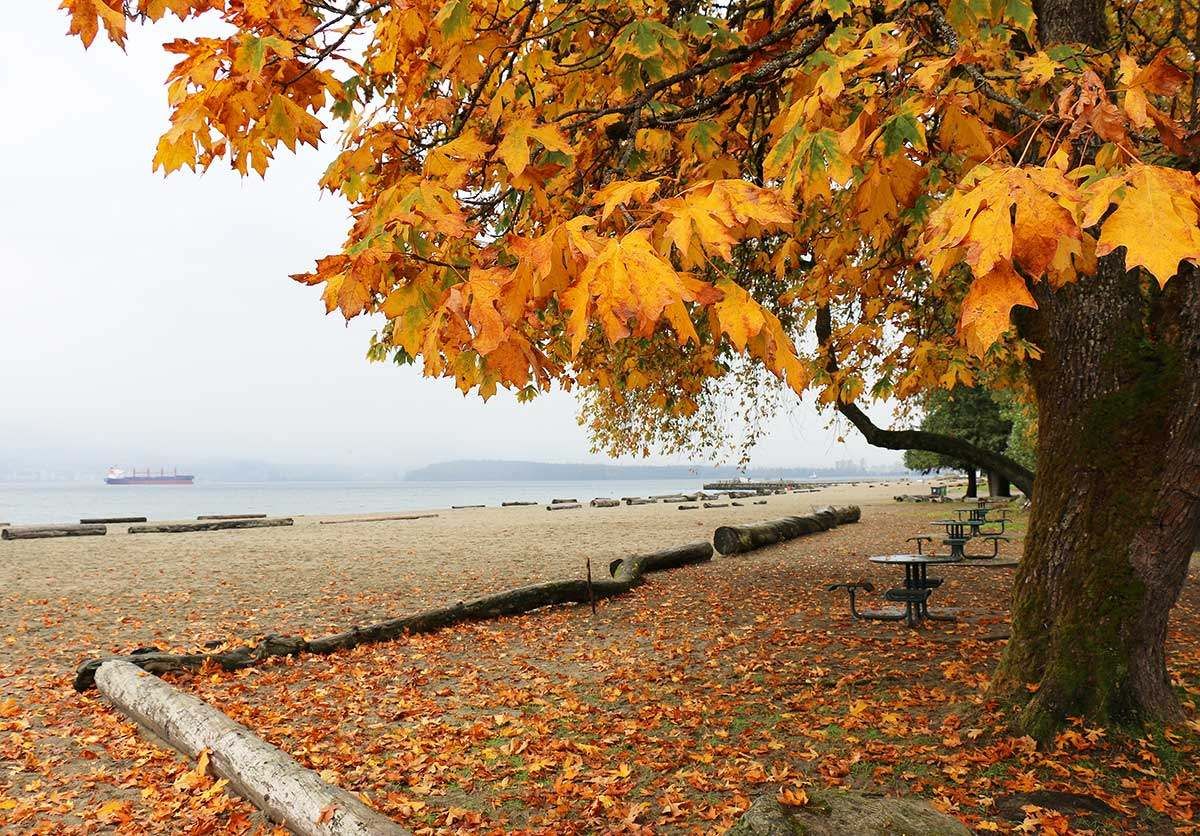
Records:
x=454, y=20
x=898, y=131
x=703, y=135
x=837, y=8
x=250, y=55
x=1020, y=12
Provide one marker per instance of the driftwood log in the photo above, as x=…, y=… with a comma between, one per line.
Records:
x=37, y=532
x=379, y=519
x=227, y=517
x=562, y=506
x=513, y=504
x=605, y=502
x=716, y=504
x=637, y=500
x=736, y=539
x=210, y=525
x=283, y=789
x=104, y=520
x=461, y=507
x=562, y=501
x=688, y=507
x=626, y=573
x=760, y=502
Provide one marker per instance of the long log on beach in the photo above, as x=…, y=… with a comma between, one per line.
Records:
x=378, y=519
x=627, y=573
x=461, y=507
x=562, y=501
x=283, y=789
x=513, y=504
x=38, y=532
x=736, y=539
x=212, y=525
x=637, y=500
x=604, y=502
x=716, y=504
x=563, y=506
x=105, y=520
x=230, y=517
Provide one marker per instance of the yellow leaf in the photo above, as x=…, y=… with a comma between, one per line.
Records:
x=715, y=215
x=621, y=192
x=988, y=304
x=453, y=160
x=1155, y=221
x=739, y=315
x=514, y=147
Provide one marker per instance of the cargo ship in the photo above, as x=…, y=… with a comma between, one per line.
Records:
x=116, y=476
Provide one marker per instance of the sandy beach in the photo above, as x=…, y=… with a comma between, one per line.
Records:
x=745, y=631
x=179, y=591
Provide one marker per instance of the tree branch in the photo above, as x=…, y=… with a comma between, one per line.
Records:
x=947, y=445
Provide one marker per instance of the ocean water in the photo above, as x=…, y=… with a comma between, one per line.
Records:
x=44, y=502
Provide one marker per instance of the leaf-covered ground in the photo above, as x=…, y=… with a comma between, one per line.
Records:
x=668, y=711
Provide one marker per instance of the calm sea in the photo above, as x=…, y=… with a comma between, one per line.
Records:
x=36, y=502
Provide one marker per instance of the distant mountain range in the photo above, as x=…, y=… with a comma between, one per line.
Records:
x=507, y=471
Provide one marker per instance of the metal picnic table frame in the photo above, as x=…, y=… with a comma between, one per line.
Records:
x=916, y=577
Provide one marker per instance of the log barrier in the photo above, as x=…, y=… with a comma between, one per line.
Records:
x=287, y=792
x=105, y=520
x=737, y=539
x=379, y=519
x=209, y=525
x=38, y=532
x=227, y=517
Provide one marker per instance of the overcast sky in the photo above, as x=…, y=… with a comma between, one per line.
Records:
x=150, y=321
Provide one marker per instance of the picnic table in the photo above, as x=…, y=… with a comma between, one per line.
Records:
x=917, y=583
x=957, y=537
x=978, y=517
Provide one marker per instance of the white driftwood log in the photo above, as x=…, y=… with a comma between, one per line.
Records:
x=283, y=789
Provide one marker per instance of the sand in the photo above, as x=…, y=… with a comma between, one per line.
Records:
x=111, y=594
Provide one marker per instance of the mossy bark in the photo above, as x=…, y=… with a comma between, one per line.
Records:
x=1116, y=507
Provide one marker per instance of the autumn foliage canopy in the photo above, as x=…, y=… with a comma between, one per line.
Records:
x=628, y=195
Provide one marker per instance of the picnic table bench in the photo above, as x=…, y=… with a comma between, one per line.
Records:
x=957, y=537
x=914, y=595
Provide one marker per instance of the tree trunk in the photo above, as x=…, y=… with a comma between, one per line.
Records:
x=998, y=485
x=972, y=484
x=1115, y=508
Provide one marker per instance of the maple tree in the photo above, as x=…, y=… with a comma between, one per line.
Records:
x=643, y=199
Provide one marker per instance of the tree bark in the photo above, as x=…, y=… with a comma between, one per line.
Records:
x=1116, y=508
x=998, y=485
x=972, y=483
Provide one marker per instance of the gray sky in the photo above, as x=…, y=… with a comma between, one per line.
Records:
x=149, y=321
